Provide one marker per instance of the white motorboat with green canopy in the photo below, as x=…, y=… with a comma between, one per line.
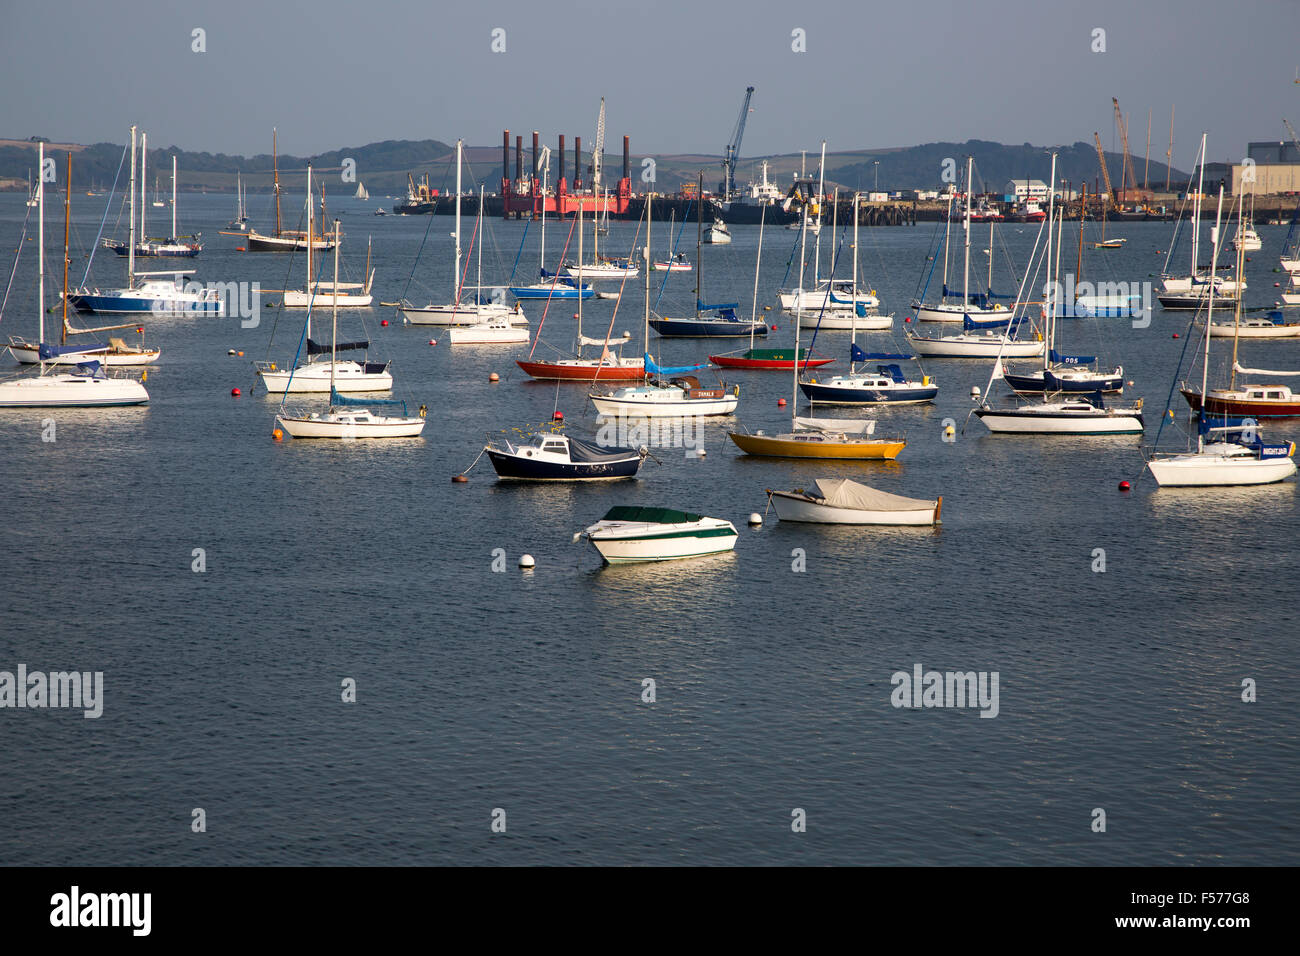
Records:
x=629, y=534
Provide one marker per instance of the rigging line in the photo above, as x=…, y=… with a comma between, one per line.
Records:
x=789, y=262
x=288, y=272
x=617, y=302
x=515, y=267
x=1187, y=337
x=555, y=278
x=830, y=284
x=425, y=238
x=108, y=205
x=22, y=238
x=672, y=255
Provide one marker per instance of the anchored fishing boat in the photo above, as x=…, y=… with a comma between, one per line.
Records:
x=842, y=501
x=629, y=534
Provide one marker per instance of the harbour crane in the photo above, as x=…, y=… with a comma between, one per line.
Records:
x=728, y=185
x=1126, y=174
x=1105, y=173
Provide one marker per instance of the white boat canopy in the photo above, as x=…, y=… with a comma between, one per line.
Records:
x=846, y=493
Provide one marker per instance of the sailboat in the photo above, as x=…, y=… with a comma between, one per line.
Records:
x=287, y=240
x=847, y=438
x=458, y=312
x=240, y=221
x=361, y=192
x=116, y=352
x=354, y=295
x=1247, y=239
x=1246, y=400
x=777, y=358
x=175, y=246
x=158, y=297
x=673, y=263
x=31, y=191
x=493, y=329
x=971, y=306
x=347, y=418
x=724, y=323
x=87, y=385
x=551, y=286
x=1196, y=289
x=157, y=200
x=608, y=367
x=1062, y=372
x=1228, y=451
x=888, y=386
x=837, y=304
x=681, y=395
x=1058, y=414
x=331, y=376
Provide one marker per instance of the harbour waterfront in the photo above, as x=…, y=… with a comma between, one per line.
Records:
x=1119, y=689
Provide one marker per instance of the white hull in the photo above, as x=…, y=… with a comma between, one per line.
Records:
x=349, y=425
x=1208, y=469
x=955, y=313
x=1268, y=330
x=466, y=314
x=792, y=507
x=1054, y=419
x=844, y=321
x=30, y=356
x=974, y=346
x=486, y=335
x=315, y=377
x=651, y=408
x=601, y=272
x=626, y=543
x=297, y=299
x=810, y=300
x=1182, y=285
x=1290, y=265
x=66, y=390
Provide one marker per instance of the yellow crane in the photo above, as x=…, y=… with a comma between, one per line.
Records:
x=1127, y=175
x=1105, y=174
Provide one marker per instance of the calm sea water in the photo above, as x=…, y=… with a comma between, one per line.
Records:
x=522, y=691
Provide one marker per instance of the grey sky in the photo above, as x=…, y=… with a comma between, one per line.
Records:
x=335, y=73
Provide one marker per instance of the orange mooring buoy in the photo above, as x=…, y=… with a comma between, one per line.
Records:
x=458, y=479
x=277, y=435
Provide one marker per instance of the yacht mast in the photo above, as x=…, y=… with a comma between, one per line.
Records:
x=130, y=252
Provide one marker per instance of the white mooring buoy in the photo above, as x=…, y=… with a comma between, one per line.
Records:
x=526, y=562
x=755, y=519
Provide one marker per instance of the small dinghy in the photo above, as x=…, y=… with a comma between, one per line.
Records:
x=842, y=501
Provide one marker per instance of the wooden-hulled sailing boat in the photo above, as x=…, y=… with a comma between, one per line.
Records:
x=1246, y=400
x=847, y=438
x=87, y=386
x=680, y=396
x=610, y=366
x=331, y=376
x=287, y=240
x=459, y=312
x=347, y=418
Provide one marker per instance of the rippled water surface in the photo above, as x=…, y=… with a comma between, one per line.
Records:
x=479, y=690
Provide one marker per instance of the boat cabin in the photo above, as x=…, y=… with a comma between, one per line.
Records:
x=691, y=386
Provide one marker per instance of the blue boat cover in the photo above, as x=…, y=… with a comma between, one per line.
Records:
x=1229, y=423
x=1061, y=359
x=344, y=400
x=721, y=306
x=861, y=309
x=88, y=368
x=969, y=324
x=858, y=355
x=53, y=351
x=893, y=371
x=653, y=369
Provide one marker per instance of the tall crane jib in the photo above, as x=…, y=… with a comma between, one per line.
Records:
x=727, y=188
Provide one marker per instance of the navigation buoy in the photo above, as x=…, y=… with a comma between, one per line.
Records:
x=558, y=416
x=780, y=403
x=526, y=562
x=383, y=321
x=494, y=377
x=235, y=392
x=755, y=519
x=458, y=479
x=1124, y=486
x=277, y=435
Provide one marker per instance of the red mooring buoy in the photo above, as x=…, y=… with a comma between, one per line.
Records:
x=1124, y=486
x=235, y=392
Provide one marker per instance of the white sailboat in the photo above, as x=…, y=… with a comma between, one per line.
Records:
x=458, y=312
x=1199, y=287
x=361, y=191
x=681, y=395
x=332, y=376
x=87, y=386
x=322, y=292
x=347, y=418
x=494, y=329
x=598, y=268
